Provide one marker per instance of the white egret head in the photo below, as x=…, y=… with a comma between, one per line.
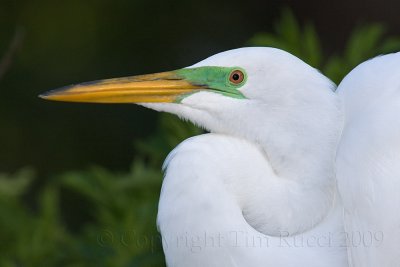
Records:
x=223, y=93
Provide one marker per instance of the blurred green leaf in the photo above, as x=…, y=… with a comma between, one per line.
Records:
x=16, y=185
x=302, y=42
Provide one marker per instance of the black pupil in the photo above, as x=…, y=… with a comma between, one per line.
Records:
x=235, y=77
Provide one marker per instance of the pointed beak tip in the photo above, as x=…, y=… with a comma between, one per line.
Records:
x=47, y=95
x=43, y=96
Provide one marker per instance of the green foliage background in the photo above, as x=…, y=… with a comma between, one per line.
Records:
x=117, y=210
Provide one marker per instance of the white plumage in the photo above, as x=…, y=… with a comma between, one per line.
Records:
x=368, y=162
x=269, y=171
x=292, y=173
x=202, y=211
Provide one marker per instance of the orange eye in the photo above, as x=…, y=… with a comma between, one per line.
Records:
x=236, y=77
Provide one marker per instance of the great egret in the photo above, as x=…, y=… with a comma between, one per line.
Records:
x=260, y=189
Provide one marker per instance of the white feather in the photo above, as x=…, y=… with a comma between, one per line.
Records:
x=209, y=181
x=368, y=159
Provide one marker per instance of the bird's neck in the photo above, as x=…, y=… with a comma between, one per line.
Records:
x=292, y=188
x=305, y=153
x=300, y=150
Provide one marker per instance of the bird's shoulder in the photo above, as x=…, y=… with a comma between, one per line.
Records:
x=368, y=157
x=368, y=150
x=212, y=147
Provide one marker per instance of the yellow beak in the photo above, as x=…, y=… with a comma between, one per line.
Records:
x=150, y=88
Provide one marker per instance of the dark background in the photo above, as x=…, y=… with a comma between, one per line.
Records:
x=64, y=42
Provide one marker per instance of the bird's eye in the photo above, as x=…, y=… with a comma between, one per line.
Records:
x=236, y=77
